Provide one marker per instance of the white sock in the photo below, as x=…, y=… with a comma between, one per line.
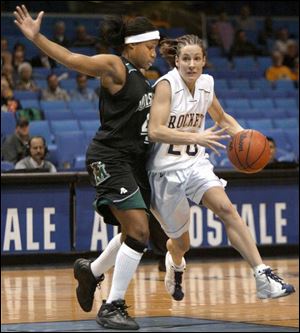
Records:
x=126, y=264
x=177, y=268
x=259, y=268
x=107, y=258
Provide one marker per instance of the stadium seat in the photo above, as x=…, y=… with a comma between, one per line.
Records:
x=86, y=114
x=293, y=136
x=41, y=127
x=24, y=95
x=53, y=105
x=248, y=113
x=287, y=103
x=59, y=126
x=264, y=62
x=262, y=103
x=284, y=85
x=80, y=105
x=7, y=166
x=253, y=93
x=65, y=114
x=8, y=123
x=89, y=125
x=30, y=103
x=286, y=123
x=244, y=63
x=279, y=137
x=260, y=124
x=238, y=103
x=261, y=84
x=241, y=84
x=219, y=63
x=69, y=145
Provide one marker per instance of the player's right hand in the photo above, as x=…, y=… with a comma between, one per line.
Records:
x=26, y=24
x=210, y=137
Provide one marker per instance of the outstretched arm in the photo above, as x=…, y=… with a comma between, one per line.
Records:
x=98, y=65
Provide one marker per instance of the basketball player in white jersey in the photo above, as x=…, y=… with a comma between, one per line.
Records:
x=179, y=169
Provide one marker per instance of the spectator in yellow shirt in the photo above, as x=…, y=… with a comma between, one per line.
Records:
x=278, y=71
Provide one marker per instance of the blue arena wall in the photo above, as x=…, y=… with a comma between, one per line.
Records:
x=43, y=213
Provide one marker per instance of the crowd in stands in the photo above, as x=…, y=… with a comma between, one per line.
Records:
x=27, y=80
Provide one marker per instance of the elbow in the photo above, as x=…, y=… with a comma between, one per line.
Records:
x=152, y=134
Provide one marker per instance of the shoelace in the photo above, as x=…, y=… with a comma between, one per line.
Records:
x=178, y=279
x=122, y=308
x=270, y=275
x=101, y=278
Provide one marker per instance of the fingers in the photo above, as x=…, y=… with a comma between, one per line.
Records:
x=40, y=16
x=20, y=12
x=17, y=23
x=213, y=149
x=25, y=11
x=18, y=17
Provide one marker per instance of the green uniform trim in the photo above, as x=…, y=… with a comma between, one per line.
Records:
x=135, y=201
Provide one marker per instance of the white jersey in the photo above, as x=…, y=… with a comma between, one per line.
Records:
x=187, y=115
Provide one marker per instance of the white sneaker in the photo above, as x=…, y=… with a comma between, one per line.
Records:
x=173, y=278
x=270, y=285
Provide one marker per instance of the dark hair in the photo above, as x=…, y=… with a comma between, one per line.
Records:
x=170, y=48
x=114, y=29
x=272, y=140
x=22, y=122
x=36, y=137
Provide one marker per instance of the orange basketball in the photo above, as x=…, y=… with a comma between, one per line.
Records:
x=249, y=151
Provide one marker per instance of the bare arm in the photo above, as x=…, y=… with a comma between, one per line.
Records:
x=98, y=65
x=159, y=131
x=223, y=119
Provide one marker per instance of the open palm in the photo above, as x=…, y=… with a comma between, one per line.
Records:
x=27, y=25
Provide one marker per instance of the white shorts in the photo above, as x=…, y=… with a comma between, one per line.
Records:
x=172, y=190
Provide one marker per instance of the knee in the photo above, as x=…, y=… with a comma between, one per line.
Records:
x=225, y=209
x=181, y=246
x=140, y=232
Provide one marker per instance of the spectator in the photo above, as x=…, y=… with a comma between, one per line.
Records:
x=59, y=36
x=6, y=55
x=8, y=73
x=281, y=42
x=242, y=46
x=42, y=60
x=8, y=102
x=245, y=21
x=18, y=58
x=36, y=151
x=25, y=81
x=54, y=92
x=291, y=54
x=213, y=37
x=82, y=92
x=225, y=31
x=82, y=39
x=278, y=71
x=274, y=163
x=15, y=145
x=266, y=35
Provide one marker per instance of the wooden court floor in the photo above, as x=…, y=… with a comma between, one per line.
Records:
x=214, y=290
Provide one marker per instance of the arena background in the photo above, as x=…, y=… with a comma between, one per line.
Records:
x=49, y=219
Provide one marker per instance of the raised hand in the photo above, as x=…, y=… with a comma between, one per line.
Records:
x=26, y=24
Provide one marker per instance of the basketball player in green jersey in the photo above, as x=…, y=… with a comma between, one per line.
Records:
x=116, y=156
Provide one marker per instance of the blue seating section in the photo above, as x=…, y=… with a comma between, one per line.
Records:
x=239, y=85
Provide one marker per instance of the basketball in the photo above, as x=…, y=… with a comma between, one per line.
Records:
x=249, y=151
